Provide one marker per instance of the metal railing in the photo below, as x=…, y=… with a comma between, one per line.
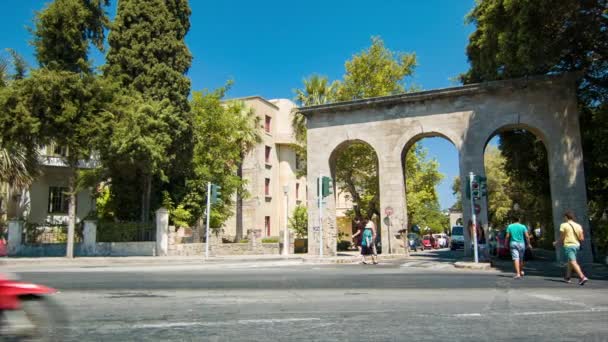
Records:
x=39, y=234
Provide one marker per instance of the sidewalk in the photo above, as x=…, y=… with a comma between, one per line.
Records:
x=181, y=260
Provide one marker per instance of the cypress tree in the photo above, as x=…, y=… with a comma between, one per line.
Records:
x=148, y=55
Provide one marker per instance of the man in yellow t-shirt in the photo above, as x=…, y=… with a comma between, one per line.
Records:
x=571, y=235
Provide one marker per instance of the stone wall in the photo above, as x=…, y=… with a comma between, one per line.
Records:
x=101, y=249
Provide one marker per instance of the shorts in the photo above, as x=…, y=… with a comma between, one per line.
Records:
x=518, y=250
x=570, y=252
x=366, y=250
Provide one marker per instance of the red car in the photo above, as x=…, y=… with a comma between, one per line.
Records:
x=426, y=242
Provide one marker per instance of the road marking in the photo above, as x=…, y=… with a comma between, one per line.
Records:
x=558, y=299
x=533, y=313
x=241, y=321
x=475, y=314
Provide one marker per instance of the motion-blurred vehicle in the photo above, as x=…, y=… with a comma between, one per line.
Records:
x=27, y=313
x=457, y=239
x=414, y=241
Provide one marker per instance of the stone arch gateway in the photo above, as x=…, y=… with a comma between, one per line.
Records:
x=467, y=116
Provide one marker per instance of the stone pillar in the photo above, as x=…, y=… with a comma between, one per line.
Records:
x=162, y=232
x=89, y=237
x=255, y=239
x=15, y=233
x=567, y=180
x=392, y=201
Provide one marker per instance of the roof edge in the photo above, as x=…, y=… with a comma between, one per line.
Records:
x=441, y=92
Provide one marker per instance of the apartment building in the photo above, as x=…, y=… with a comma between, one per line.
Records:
x=270, y=170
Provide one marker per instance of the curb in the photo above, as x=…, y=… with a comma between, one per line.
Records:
x=482, y=266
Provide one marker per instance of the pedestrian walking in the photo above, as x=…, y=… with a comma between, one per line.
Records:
x=368, y=245
x=518, y=239
x=570, y=237
x=357, y=236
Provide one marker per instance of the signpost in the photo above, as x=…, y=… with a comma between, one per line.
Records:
x=388, y=211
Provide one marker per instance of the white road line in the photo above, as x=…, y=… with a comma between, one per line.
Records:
x=241, y=321
x=475, y=314
x=532, y=313
x=557, y=299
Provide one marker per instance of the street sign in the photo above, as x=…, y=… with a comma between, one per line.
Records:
x=316, y=228
x=388, y=211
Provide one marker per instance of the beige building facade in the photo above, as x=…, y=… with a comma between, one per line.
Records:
x=270, y=170
x=46, y=200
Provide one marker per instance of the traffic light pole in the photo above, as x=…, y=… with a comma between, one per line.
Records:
x=474, y=218
x=320, y=197
x=208, y=215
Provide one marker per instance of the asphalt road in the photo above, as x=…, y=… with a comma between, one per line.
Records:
x=295, y=302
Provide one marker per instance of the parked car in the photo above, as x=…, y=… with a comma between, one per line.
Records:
x=426, y=242
x=499, y=246
x=441, y=240
x=414, y=241
x=457, y=238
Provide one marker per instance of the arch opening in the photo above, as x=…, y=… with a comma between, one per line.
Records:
x=354, y=169
x=517, y=170
x=430, y=166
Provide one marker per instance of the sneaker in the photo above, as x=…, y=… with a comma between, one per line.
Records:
x=517, y=277
x=583, y=281
x=521, y=273
x=567, y=281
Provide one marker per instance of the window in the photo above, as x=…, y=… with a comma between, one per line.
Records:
x=267, y=154
x=267, y=124
x=267, y=225
x=58, y=200
x=267, y=187
x=61, y=151
x=297, y=191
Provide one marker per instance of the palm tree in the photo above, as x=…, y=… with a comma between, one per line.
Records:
x=317, y=91
x=247, y=125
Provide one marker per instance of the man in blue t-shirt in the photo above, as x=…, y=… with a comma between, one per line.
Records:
x=518, y=239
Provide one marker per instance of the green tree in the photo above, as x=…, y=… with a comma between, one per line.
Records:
x=149, y=56
x=421, y=179
x=500, y=201
x=18, y=154
x=298, y=222
x=374, y=72
x=524, y=38
x=63, y=100
x=223, y=134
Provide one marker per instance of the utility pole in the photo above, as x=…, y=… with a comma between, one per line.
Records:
x=474, y=218
x=320, y=197
x=286, y=231
x=208, y=215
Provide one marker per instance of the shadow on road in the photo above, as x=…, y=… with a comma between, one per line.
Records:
x=544, y=264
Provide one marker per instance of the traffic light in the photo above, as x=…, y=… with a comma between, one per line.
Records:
x=483, y=186
x=327, y=188
x=475, y=192
x=215, y=193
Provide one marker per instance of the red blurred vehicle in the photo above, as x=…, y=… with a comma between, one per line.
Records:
x=26, y=312
x=426, y=242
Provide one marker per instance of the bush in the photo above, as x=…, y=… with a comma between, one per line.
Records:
x=244, y=241
x=108, y=231
x=344, y=245
x=270, y=240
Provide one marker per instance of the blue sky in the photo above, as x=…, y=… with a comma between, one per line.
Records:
x=267, y=47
